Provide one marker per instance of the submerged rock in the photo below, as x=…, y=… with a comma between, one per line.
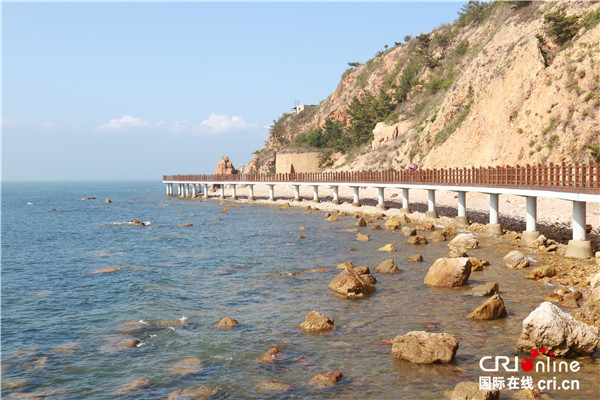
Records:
x=387, y=267
x=515, y=259
x=326, y=380
x=449, y=272
x=273, y=386
x=183, y=321
x=315, y=321
x=67, y=349
x=547, y=326
x=269, y=356
x=486, y=289
x=186, y=224
x=227, y=323
x=351, y=284
x=14, y=383
x=120, y=343
x=133, y=386
x=190, y=365
x=105, y=270
x=492, y=308
x=464, y=240
x=193, y=393
x=425, y=348
x=471, y=391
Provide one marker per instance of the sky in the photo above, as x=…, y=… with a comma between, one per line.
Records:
x=120, y=91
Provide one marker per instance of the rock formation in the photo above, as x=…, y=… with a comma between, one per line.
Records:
x=449, y=272
x=315, y=321
x=387, y=267
x=425, y=348
x=351, y=284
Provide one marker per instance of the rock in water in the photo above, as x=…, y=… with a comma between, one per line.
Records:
x=541, y=272
x=457, y=252
x=273, y=386
x=419, y=239
x=361, y=223
x=108, y=201
x=194, y=393
x=415, y=258
x=362, y=237
x=408, y=231
x=516, y=259
x=477, y=264
x=492, y=308
x=449, y=272
x=345, y=264
x=437, y=236
x=387, y=267
x=326, y=380
x=487, y=289
x=351, y=284
x=392, y=224
x=269, y=356
x=387, y=247
x=133, y=386
x=471, y=391
x=227, y=323
x=190, y=365
x=547, y=326
x=315, y=321
x=425, y=348
x=464, y=240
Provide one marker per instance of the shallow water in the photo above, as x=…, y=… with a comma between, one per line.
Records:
x=239, y=266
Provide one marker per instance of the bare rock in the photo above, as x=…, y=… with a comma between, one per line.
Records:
x=541, y=272
x=548, y=326
x=315, y=321
x=108, y=201
x=408, y=231
x=331, y=218
x=419, y=239
x=387, y=267
x=227, y=323
x=387, y=247
x=486, y=289
x=326, y=380
x=225, y=167
x=415, y=258
x=516, y=259
x=351, y=284
x=471, y=391
x=464, y=240
x=362, y=270
x=362, y=237
x=449, y=272
x=425, y=348
x=492, y=308
x=187, y=224
x=437, y=236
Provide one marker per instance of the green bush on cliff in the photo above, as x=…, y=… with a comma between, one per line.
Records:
x=561, y=27
x=474, y=12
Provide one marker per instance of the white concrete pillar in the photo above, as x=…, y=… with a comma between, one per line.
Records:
x=272, y=192
x=234, y=192
x=462, y=219
x=194, y=190
x=167, y=189
x=180, y=190
x=251, y=193
x=494, y=227
x=222, y=196
x=205, y=191
x=356, y=202
x=579, y=247
x=431, y=213
x=530, y=233
x=316, y=194
x=405, y=208
x=186, y=187
x=336, y=199
x=296, y=193
x=380, y=199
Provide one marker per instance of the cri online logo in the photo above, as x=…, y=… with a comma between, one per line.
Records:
x=528, y=364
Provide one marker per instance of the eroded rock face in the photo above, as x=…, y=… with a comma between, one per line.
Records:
x=464, y=240
x=492, y=308
x=425, y=348
x=470, y=391
x=547, y=326
x=351, y=284
x=516, y=259
x=387, y=267
x=449, y=272
x=315, y=321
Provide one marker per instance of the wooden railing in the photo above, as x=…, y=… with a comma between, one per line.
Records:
x=576, y=177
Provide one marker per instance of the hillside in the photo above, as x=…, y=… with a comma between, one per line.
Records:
x=506, y=83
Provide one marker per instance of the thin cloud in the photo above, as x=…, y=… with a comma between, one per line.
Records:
x=125, y=122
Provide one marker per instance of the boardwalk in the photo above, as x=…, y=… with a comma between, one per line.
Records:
x=579, y=183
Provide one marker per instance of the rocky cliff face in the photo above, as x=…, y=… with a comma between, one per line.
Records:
x=501, y=90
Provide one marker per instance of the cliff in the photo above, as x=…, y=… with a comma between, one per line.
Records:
x=506, y=83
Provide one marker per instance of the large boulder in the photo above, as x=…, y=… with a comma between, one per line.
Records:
x=425, y=348
x=315, y=321
x=471, y=391
x=387, y=267
x=464, y=240
x=492, y=308
x=516, y=259
x=547, y=326
x=351, y=284
x=449, y=272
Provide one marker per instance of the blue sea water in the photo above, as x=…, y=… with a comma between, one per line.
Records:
x=240, y=264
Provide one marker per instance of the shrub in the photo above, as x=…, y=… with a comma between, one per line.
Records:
x=437, y=84
x=474, y=11
x=461, y=48
x=595, y=152
x=561, y=27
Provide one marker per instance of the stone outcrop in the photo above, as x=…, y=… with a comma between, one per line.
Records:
x=471, y=391
x=547, y=326
x=387, y=267
x=486, y=289
x=225, y=167
x=351, y=284
x=492, y=308
x=449, y=272
x=425, y=348
x=516, y=259
x=464, y=240
x=315, y=321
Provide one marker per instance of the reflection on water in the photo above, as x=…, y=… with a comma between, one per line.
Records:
x=241, y=267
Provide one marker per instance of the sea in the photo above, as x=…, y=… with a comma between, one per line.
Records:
x=62, y=331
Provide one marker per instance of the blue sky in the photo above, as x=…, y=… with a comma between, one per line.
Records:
x=106, y=91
